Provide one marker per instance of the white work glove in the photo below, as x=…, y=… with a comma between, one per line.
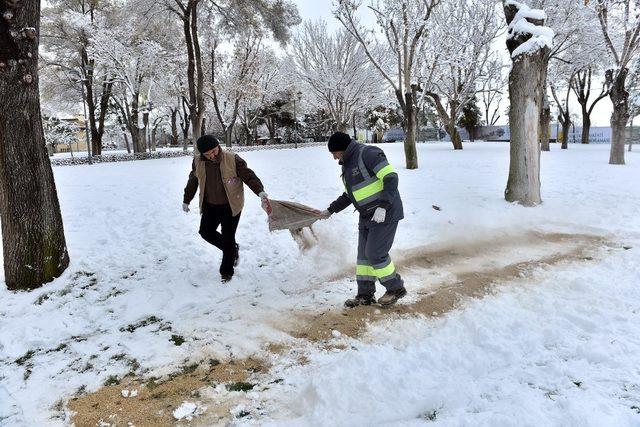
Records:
x=379, y=215
x=266, y=204
x=325, y=214
x=185, y=207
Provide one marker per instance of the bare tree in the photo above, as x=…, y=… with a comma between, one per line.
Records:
x=277, y=17
x=620, y=24
x=564, y=114
x=493, y=85
x=403, y=24
x=458, y=57
x=233, y=77
x=67, y=26
x=571, y=34
x=581, y=85
x=334, y=72
x=33, y=239
x=529, y=43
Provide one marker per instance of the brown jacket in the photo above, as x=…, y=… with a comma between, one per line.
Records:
x=221, y=182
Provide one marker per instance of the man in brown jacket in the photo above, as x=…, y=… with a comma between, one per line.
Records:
x=220, y=175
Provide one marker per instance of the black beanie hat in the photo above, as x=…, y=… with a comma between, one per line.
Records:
x=339, y=142
x=206, y=143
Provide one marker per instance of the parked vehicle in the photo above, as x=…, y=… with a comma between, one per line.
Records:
x=393, y=135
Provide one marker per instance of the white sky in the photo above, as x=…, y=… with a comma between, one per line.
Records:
x=314, y=9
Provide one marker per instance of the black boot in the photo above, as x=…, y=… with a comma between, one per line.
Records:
x=391, y=297
x=226, y=277
x=236, y=255
x=360, y=300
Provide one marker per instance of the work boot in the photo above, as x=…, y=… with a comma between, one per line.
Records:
x=391, y=297
x=360, y=300
x=226, y=277
x=236, y=255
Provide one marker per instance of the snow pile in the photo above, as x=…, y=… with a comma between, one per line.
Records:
x=129, y=393
x=188, y=411
x=541, y=36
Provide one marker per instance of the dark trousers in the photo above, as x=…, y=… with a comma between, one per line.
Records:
x=374, y=263
x=214, y=216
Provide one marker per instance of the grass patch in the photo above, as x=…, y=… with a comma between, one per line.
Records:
x=177, y=340
x=141, y=324
x=58, y=348
x=243, y=414
x=112, y=380
x=25, y=358
x=240, y=386
x=152, y=383
x=189, y=369
x=430, y=416
x=42, y=298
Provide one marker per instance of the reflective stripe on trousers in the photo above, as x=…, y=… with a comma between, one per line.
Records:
x=383, y=272
x=374, y=263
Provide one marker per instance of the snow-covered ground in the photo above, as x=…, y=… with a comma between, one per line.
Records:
x=560, y=347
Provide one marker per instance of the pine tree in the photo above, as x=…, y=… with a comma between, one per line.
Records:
x=471, y=118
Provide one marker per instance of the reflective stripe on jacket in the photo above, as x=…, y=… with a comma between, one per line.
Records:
x=370, y=182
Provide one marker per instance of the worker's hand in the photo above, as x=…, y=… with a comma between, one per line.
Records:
x=266, y=204
x=185, y=207
x=325, y=214
x=379, y=215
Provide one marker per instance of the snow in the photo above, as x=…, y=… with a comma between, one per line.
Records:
x=129, y=393
x=541, y=36
x=186, y=410
x=140, y=275
x=560, y=350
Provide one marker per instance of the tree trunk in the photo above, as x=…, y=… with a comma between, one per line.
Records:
x=411, y=126
x=411, y=129
x=33, y=239
x=355, y=129
x=271, y=127
x=586, y=125
x=153, y=138
x=545, y=124
x=620, y=116
x=185, y=139
x=174, y=127
x=228, y=137
x=124, y=132
x=96, y=138
x=456, y=138
x=126, y=141
x=133, y=126
x=526, y=91
x=144, y=132
x=566, y=126
x=448, y=120
x=472, y=134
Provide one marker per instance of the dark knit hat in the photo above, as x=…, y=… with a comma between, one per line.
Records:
x=339, y=142
x=206, y=143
